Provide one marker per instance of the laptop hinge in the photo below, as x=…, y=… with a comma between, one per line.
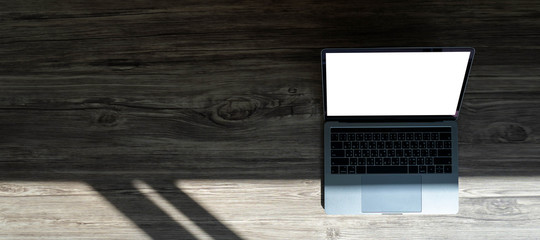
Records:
x=392, y=119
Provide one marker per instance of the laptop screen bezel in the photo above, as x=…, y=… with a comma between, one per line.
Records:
x=396, y=117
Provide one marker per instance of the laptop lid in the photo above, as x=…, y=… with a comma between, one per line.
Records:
x=394, y=84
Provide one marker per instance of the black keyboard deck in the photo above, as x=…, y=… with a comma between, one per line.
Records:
x=391, y=150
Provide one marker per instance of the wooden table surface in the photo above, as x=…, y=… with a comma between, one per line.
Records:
x=189, y=119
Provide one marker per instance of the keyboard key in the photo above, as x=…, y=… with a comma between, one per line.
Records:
x=444, y=152
x=347, y=145
x=418, y=136
x=374, y=153
x=405, y=144
x=384, y=136
x=391, y=153
x=425, y=136
x=355, y=145
x=414, y=144
x=336, y=145
x=351, y=169
x=445, y=136
x=442, y=160
x=337, y=153
x=364, y=145
x=367, y=136
x=342, y=169
x=382, y=153
x=422, y=144
x=416, y=153
x=395, y=161
x=434, y=136
x=393, y=136
x=339, y=161
x=351, y=137
x=380, y=144
x=422, y=169
x=360, y=169
x=429, y=161
x=335, y=169
x=409, y=136
x=431, y=169
x=361, y=161
x=378, y=161
x=397, y=144
x=413, y=169
x=447, y=169
x=359, y=137
x=387, y=169
x=342, y=137
x=357, y=153
x=432, y=152
x=388, y=144
x=399, y=153
x=412, y=161
x=376, y=137
x=419, y=161
x=424, y=152
x=403, y=161
x=440, y=144
x=439, y=169
x=353, y=161
x=366, y=153
x=407, y=153
x=447, y=144
x=387, y=161
x=349, y=153
x=372, y=145
x=370, y=161
x=430, y=144
x=401, y=136
x=334, y=137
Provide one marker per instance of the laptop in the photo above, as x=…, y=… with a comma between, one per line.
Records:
x=390, y=131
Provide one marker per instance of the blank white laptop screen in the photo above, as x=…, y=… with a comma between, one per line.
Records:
x=394, y=83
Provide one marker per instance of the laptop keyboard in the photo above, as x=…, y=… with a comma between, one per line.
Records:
x=391, y=150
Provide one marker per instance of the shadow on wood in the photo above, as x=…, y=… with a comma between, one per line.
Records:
x=155, y=206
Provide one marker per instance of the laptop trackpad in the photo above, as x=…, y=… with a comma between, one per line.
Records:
x=391, y=194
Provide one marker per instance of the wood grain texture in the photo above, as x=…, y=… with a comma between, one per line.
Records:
x=216, y=106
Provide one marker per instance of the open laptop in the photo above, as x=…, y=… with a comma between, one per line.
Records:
x=390, y=132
